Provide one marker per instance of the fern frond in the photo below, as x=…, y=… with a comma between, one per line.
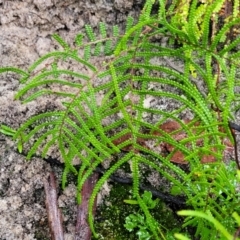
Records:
x=99, y=184
x=62, y=42
x=224, y=30
x=192, y=21
x=149, y=218
x=230, y=47
x=103, y=30
x=90, y=33
x=15, y=70
x=46, y=82
x=65, y=155
x=107, y=111
x=79, y=40
x=214, y=7
x=236, y=9
x=63, y=55
x=135, y=175
x=115, y=31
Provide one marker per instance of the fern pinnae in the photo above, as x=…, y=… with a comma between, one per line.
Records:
x=41, y=126
x=211, y=84
x=90, y=33
x=199, y=111
x=115, y=125
x=59, y=54
x=97, y=49
x=119, y=96
x=166, y=162
x=149, y=218
x=170, y=10
x=41, y=76
x=229, y=99
x=191, y=92
x=192, y=23
x=102, y=29
x=229, y=47
x=171, y=28
x=89, y=136
x=92, y=136
x=97, y=112
x=39, y=142
x=49, y=144
x=182, y=181
x=205, y=151
x=146, y=11
x=77, y=145
x=170, y=72
x=36, y=95
x=87, y=53
x=122, y=45
x=64, y=176
x=64, y=154
x=41, y=117
x=14, y=70
x=107, y=47
x=223, y=32
x=214, y=7
x=46, y=82
x=236, y=9
x=62, y=42
x=135, y=174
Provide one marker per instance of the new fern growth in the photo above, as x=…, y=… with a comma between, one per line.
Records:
x=110, y=102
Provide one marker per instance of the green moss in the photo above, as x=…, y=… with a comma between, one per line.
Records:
x=41, y=235
x=112, y=213
x=110, y=217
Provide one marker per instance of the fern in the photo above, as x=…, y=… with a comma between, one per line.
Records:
x=94, y=130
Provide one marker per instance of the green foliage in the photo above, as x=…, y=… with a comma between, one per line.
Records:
x=138, y=220
x=102, y=104
x=224, y=234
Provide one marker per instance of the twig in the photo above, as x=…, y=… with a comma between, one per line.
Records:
x=53, y=212
x=236, y=234
x=232, y=127
x=83, y=231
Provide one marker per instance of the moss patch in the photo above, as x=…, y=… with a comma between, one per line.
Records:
x=110, y=217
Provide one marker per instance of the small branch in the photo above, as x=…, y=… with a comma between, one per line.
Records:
x=83, y=231
x=53, y=212
x=237, y=233
x=233, y=127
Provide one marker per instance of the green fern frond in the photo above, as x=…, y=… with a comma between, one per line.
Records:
x=15, y=70
x=214, y=7
x=99, y=184
x=236, y=9
x=103, y=30
x=60, y=40
x=115, y=31
x=222, y=33
x=90, y=33
x=230, y=47
x=149, y=218
x=63, y=55
x=106, y=114
x=79, y=40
